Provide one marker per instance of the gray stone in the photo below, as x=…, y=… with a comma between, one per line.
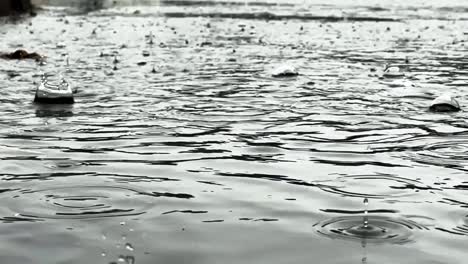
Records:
x=444, y=103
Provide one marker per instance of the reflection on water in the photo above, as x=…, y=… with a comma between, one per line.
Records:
x=54, y=110
x=182, y=148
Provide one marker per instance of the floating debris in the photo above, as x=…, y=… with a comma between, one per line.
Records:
x=49, y=93
x=285, y=71
x=21, y=55
x=445, y=103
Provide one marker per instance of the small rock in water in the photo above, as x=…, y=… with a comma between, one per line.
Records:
x=49, y=93
x=285, y=71
x=444, y=103
x=392, y=72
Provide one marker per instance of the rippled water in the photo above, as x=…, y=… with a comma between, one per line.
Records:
x=181, y=147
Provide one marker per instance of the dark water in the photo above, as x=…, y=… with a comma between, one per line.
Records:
x=188, y=151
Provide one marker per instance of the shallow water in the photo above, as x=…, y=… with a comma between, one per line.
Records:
x=193, y=153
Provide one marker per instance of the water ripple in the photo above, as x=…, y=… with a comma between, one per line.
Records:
x=81, y=202
x=380, y=185
x=380, y=229
x=177, y=117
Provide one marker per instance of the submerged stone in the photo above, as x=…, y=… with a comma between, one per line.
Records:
x=444, y=103
x=285, y=71
x=48, y=93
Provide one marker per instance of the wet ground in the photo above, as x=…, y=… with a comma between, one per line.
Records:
x=181, y=147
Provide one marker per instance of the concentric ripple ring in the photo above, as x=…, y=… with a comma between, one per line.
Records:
x=81, y=202
x=380, y=229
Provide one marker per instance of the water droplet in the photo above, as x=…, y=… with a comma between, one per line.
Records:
x=151, y=42
x=366, y=218
x=364, y=257
x=129, y=247
x=121, y=259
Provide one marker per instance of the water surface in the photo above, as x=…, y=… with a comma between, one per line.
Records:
x=181, y=147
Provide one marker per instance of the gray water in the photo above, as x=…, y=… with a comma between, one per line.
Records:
x=193, y=153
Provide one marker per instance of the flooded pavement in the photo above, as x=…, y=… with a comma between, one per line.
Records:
x=182, y=147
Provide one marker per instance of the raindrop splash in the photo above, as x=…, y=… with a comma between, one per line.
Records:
x=129, y=247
